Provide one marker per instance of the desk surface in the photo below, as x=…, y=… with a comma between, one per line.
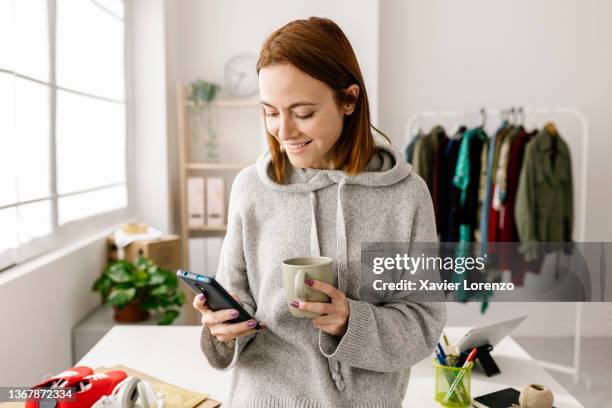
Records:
x=172, y=354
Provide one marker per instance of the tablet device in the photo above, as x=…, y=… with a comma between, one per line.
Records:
x=217, y=297
x=490, y=334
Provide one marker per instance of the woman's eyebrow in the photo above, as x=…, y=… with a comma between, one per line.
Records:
x=293, y=105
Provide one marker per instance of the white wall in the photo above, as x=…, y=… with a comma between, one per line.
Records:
x=444, y=54
x=148, y=107
x=40, y=303
x=209, y=32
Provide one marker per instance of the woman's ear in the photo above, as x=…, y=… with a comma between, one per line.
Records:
x=353, y=93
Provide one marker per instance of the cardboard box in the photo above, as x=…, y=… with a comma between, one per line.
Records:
x=165, y=252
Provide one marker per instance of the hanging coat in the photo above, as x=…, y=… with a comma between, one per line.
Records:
x=544, y=202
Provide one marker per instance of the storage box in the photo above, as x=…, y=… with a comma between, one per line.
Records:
x=165, y=251
x=195, y=202
x=215, y=201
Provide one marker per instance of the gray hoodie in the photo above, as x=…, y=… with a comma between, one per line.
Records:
x=326, y=213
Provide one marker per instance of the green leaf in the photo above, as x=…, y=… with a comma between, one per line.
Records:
x=168, y=317
x=120, y=271
x=99, y=282
x=150, y=303
x=156, y=279
x=171, y=280
x=152, y=269
x=176, y=299
x=140, y=277
x=103, y=285
x=161, y=290
x=180, y=298
x=143, y=263
x=121, y=297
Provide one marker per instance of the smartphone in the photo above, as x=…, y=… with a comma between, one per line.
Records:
x=217, y=297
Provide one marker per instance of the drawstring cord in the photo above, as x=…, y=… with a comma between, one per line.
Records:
x=342, y=262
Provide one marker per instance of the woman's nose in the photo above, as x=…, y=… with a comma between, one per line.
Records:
x=286, y=129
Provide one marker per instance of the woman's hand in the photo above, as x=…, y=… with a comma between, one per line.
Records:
x=334, y=319
x=215, y=321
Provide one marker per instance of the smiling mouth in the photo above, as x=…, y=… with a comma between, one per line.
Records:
x=298, y=145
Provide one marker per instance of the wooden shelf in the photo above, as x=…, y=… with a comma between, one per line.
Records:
x=185, y=110
x=208, y=228
x=228, y=103
x=216, y=166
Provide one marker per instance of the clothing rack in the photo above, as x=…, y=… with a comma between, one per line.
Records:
x=410, y=128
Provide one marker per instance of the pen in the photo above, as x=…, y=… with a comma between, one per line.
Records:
x=442, y=353
x=468, y=360
x=441, y=359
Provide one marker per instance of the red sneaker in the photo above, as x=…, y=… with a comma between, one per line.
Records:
x=69, y=375
x=93, y=387
x=89, y=389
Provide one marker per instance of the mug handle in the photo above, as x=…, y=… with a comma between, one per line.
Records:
x=299, y=284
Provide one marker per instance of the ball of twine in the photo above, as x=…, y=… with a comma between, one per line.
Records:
x=536, y=396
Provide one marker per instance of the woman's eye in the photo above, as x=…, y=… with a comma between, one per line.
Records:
x=308, y=115
x=271, y=114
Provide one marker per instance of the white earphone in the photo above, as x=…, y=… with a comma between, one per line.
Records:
x=132, y=392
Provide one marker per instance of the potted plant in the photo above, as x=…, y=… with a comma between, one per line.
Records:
x=137, y=289
x=203, y=117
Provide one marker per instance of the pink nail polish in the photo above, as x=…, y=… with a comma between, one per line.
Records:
x=294, y=303
x=309, y=282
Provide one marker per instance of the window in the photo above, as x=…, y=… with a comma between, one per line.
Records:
x=62, y=122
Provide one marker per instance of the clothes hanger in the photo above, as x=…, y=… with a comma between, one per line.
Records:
x=483, y=118
x=514, y=113
x=551, y=128
x=507, y=116
x=521, y=114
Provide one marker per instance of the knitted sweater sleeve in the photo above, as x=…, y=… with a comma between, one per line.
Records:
x=391, y=336
x=232, y=275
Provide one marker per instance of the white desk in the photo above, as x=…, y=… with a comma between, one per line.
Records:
x=173, y=354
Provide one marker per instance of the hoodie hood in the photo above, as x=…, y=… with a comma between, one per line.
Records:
x=387, y=167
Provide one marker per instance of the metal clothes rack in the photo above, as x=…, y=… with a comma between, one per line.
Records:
x=573, y=370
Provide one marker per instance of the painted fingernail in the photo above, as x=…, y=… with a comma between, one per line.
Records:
x=234, y=313
x=252, y=324
x=294, y=303
x=201, y=296
x=309, y=282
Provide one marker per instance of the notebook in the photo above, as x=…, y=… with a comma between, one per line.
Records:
x=498, y=399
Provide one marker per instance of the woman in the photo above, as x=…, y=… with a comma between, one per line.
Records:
x=322, y=189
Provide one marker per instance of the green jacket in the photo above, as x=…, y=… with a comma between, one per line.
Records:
x=544, y=202
x=423, y=161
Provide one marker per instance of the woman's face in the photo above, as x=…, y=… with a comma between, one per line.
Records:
x=302, y=114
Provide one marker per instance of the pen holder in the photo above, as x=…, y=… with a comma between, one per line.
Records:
x=445, y=377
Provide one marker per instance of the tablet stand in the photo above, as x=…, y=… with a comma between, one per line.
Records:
x=484, y=358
